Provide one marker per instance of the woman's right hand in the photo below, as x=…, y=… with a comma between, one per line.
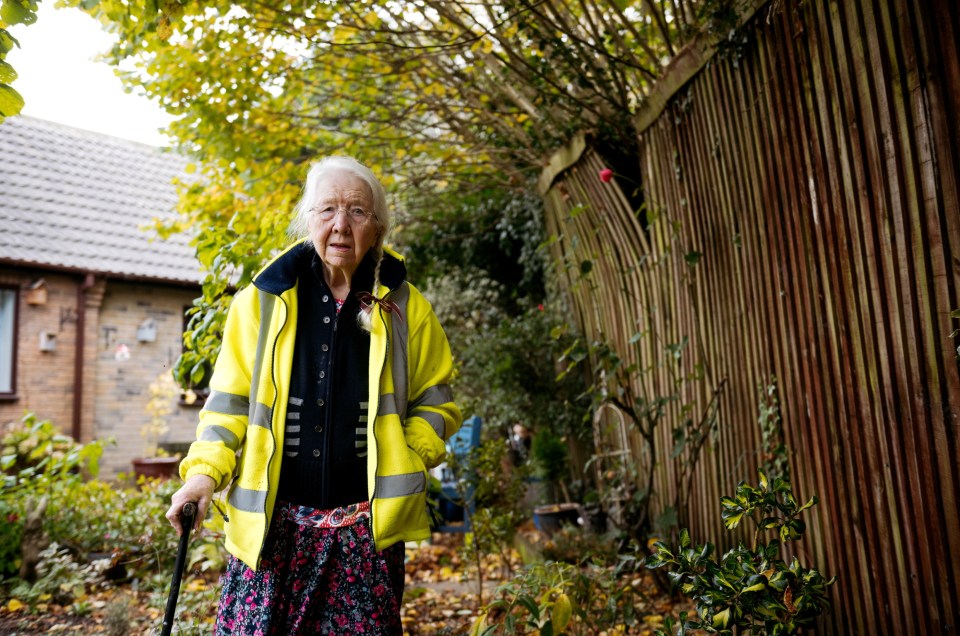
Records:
x=199, y=489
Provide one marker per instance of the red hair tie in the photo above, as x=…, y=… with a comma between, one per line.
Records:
x=368, y=300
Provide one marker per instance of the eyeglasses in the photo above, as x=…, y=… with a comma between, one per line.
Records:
x=356, y=216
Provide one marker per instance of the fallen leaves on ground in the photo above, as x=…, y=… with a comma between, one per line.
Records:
x=440, y=599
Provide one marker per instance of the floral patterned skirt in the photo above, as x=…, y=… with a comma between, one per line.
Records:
x=314, y=580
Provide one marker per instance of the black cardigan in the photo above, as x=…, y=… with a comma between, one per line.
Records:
x=324, y=461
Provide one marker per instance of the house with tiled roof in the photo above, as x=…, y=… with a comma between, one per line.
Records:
x=92, y=299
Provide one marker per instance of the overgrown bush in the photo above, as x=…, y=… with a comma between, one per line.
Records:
x=96, y=530
x=38, y=458
x=580, y=546
x=558, y=598
x=126, y=523
x=36, y=461
x=496, y=489
x=62, y=580
x=749, y=590
x=11, y=531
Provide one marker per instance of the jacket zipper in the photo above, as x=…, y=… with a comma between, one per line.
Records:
x=373, y=424
x=273, y=407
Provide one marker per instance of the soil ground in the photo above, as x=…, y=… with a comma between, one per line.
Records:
x=440, y=599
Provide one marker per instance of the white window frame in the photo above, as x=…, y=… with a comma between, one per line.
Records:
x=9, y=308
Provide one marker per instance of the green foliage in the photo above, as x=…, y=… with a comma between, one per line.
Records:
x=104, y=532
x=497, y=490
x=506, y=371
x=447, y=102
x=11, y=531
x=37, y=458
x=550, y=453
x=61, y=578
x=493, y=234
x=133, y=533
x=774, y=454
x=196, y=605
x=559, y=598
x=37, y=461
x=12, y=12
x=495, y=483
x=749, y=590
x=579, y=546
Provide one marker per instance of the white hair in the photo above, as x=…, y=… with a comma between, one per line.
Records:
x=319, y=170
x=300, y=226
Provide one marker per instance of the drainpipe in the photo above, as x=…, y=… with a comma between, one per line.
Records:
x=76, y=428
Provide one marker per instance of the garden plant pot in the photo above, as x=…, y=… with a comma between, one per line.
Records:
x=160, y=467
x=549, y=518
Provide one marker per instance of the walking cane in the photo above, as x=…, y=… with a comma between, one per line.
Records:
x=187, y=515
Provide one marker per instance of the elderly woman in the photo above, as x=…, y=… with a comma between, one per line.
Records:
x=329, y=401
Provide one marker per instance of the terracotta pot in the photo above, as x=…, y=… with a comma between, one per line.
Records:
x=161, y=467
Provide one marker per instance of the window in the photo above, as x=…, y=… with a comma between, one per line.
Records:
x=8, y=341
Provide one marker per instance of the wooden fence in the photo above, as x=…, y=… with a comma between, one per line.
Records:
x=801, y=221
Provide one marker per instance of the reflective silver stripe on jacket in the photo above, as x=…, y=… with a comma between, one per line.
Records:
x=261, y=415
x=396, y=403
x=400, y=333
x=434, y=419
x=436, y=395
x=401, y=485
x=220, y=434
x=227, y=403
x=388, y=405
x=257, y=411
x=248, y=500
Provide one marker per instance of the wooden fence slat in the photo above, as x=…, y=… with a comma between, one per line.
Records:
x=829, y=147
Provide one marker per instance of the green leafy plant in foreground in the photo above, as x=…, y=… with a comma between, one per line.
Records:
x=749, y=590
x=37, y=458
x=559, y=598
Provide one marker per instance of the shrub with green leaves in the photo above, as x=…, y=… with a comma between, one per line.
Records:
x=36, y=461
x=749, y=590
x=11, y=533
x=124, y=522
x=37, y=458
x=559, y=598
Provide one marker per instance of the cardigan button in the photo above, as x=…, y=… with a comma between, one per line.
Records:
x=325, y=298
x=323, y=374
x=316, y=452
x=320, y=402
x=318, y=428
x=323, y=347
x=326, y=320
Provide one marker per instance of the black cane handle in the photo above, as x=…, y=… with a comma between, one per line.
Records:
x=187, y=517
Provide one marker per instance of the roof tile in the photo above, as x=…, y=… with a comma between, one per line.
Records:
x=82, y=200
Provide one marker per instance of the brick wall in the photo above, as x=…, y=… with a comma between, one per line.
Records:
x=115, y=388
x=125, y=367
x=44, y=378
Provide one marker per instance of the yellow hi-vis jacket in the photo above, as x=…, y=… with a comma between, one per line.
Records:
x=240, y=435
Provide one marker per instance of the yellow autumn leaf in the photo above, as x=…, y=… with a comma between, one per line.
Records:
x=478, y=625
x=14, y=604
x=562, y=611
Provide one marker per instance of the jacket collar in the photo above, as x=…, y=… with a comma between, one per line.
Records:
x=280, y=274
